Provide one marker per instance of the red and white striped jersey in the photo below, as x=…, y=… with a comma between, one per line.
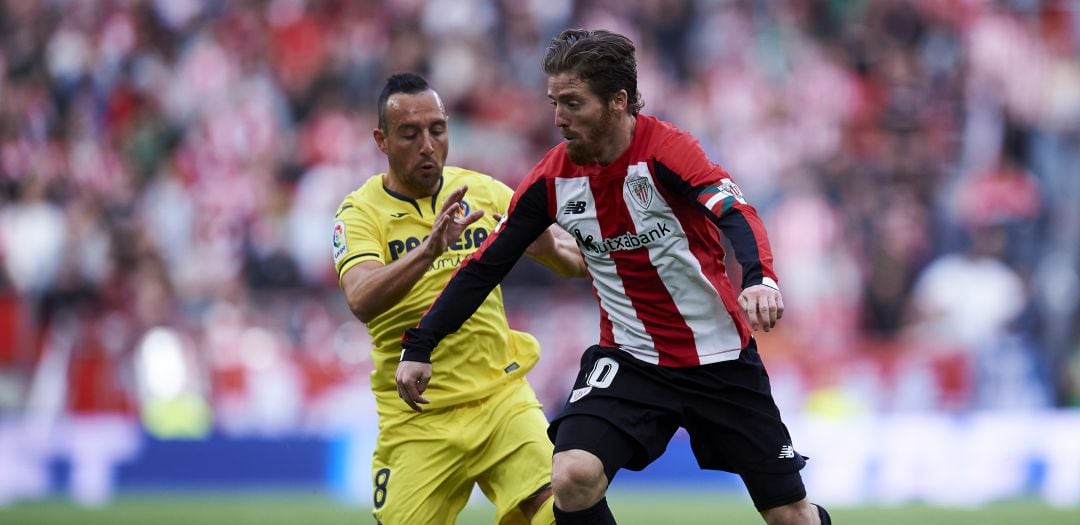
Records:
x=649, y=227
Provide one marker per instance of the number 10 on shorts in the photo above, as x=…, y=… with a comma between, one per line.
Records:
x=602, y=374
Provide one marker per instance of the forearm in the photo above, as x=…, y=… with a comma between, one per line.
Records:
x=381, y=288
x=744, y=229
x=457, y=302
x=556, y=250
x=475, y=278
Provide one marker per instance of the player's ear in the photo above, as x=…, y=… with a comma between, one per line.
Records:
x=619, y=101
x=380, y=139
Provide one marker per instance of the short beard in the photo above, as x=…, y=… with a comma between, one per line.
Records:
x=602, y=132
x=577, y=155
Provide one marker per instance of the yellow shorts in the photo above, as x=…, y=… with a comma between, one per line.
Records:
x=425, y=466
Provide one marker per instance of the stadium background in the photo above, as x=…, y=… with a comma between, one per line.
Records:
x=169, y=317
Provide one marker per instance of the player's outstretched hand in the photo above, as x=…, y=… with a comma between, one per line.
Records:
x=449, y=223
x=412, y=379
x=764, y=306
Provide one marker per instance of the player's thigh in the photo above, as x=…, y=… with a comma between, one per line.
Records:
x=769, y=490
x=418, y=480
x=733, y=421
x=599, y=437
x=515, y=462
x=632, y=403
x=738, y=428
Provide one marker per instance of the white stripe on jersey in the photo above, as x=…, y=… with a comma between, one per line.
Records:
x=576, y=213
x=715, y=333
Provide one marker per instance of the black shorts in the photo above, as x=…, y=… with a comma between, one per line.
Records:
x=727, y=409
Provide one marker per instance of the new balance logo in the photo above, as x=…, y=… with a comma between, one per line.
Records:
x=574, y=208
x=786, y=452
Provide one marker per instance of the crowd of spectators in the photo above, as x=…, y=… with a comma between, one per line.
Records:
x=176, y=163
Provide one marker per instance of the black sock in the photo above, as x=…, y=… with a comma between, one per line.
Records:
x=598, y=514
x=825, y=519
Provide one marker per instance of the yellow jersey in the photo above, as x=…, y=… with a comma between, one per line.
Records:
x=377, y=224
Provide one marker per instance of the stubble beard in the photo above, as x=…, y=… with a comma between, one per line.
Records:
x=427, y=181
x=577, y=153
x=581, y=153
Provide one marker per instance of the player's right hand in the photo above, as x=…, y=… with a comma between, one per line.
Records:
x=764, y=306
x=412, y=379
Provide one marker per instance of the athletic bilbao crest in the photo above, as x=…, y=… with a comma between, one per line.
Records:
x=640, y=190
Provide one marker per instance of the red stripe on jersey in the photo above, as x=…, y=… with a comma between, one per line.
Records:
x=552, y=198
x=704, y=240
x=653, y=304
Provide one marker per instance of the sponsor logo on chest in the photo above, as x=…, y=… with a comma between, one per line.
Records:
x=626, y=241
x=582, y=217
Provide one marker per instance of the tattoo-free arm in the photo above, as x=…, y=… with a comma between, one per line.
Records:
x=371, y=288
x=558, y=251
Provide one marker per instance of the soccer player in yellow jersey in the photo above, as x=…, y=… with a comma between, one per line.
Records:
x=397, y=240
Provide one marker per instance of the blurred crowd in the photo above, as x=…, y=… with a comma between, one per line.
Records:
x=175, y=165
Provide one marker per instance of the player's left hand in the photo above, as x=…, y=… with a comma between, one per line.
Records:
x=412, y=379
x=764, y=306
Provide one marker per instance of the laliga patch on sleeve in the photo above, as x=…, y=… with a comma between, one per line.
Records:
x=338, y=241
x=728, y=188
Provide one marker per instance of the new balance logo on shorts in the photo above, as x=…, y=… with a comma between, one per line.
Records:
x=786, y=452
x=574, y=208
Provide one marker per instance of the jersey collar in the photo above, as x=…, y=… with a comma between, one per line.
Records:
x=410, y=200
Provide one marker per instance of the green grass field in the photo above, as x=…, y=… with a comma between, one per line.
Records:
x=631, y=508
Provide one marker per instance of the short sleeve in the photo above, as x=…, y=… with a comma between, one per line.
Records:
x=501, y=194
x=355, y=238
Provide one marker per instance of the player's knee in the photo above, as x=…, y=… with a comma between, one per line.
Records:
x=578, y=478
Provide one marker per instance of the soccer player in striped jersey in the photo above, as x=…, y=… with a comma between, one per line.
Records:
x=648, y=210
x=396, y=242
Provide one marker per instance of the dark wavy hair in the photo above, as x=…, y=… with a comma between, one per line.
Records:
x=603, y=59
x=408, y=83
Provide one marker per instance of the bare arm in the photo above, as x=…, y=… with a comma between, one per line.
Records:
x=371, y=288
x=558, y=251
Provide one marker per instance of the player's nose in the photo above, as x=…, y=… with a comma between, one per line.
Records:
x=427, y=144
x=560, y=118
